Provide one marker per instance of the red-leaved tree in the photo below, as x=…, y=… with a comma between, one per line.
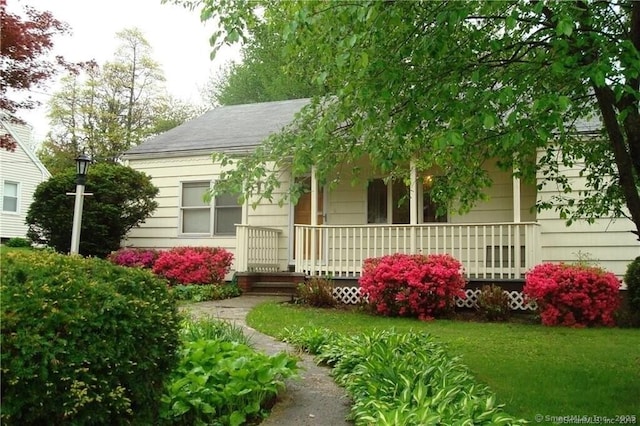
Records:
x=25, y=42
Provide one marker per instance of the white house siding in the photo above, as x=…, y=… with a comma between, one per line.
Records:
x=608, y=242
x=21, y=167
x=160, y=231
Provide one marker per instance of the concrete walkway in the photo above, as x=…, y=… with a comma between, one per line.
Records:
x=313, y=399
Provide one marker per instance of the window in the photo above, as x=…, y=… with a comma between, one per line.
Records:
x=378, y=205
x=10, y=197
x=377, y=201
x=227, y=214
x=196, y=213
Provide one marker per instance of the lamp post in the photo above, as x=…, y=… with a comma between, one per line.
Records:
x=82, y=165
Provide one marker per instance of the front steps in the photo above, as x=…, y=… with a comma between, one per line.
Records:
x=269, y=283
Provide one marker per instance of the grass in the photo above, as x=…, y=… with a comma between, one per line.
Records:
x=532, y=369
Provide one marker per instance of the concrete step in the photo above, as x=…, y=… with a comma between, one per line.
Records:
x=272, y=288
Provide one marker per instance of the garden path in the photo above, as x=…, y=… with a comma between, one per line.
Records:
x=314, y=398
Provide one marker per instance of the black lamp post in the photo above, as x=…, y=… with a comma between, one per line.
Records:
x=82, y=165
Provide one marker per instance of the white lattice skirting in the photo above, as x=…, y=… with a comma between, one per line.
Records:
x=351, y=296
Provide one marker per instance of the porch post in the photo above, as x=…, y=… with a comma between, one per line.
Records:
x=516, y=231
x=314, y=219
x=413, y=205
x=314, y=197
x=516, y=199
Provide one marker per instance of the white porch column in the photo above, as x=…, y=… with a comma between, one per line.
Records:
x=516, y=199
x=413, y=205
x=314, y=197
x=245, y=211
x=314, y=219
x=516, y=220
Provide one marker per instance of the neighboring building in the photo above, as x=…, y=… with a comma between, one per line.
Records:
x=20, y=173
x=499, y=239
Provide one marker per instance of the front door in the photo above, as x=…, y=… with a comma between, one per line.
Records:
x=302, y=216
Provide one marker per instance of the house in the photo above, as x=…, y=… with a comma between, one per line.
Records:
x=20, y=173
x=331, y=231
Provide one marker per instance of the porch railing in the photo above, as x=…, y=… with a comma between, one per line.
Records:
x=487, y=251
x=257, y=249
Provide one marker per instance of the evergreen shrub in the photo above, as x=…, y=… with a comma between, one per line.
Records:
x=83, y=341
x=632, y=279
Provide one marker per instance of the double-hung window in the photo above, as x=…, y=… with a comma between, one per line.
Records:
x=198, y=216
x=10, y=197
x=227, y=214
x=195, y=211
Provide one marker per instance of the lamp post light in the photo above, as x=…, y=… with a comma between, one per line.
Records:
x=82, y=165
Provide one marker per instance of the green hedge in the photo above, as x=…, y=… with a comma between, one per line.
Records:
x=83, y=341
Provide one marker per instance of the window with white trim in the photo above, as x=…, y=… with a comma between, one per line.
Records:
x=195, y=212
x=10, y=197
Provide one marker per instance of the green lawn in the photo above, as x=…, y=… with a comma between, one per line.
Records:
x=533, y=369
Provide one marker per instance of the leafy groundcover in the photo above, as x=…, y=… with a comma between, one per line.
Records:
x=402, y=379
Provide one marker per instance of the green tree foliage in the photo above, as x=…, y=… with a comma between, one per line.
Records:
x=267, y=73
x=122, y=199
x=105, y=110
x=453, y=84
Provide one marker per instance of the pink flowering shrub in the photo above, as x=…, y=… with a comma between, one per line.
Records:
x=134, y=257
x=194, y=265
x=412, y=285
x=573, y=295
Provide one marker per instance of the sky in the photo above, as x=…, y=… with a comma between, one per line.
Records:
x=180, y=43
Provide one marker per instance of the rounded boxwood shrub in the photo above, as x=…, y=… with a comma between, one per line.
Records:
x=632, y=279
x=412, y=285
x=573, y=295
x=83, y=341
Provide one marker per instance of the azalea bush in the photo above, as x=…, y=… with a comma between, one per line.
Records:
x=412, y=285
x=194, y=265
x=134, y=257
x=573, y=295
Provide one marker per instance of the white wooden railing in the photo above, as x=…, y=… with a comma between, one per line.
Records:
x=257, y=249
x=487, y=251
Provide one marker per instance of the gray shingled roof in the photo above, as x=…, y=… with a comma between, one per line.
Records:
x=236, y=128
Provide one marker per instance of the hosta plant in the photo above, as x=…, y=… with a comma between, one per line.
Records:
x=412, y=285
x=223, y=382
x=194, y=265
x=573, y=295
x=404, y=379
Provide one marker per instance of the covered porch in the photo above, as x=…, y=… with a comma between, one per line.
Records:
x=323, y=239
x=500, y=251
